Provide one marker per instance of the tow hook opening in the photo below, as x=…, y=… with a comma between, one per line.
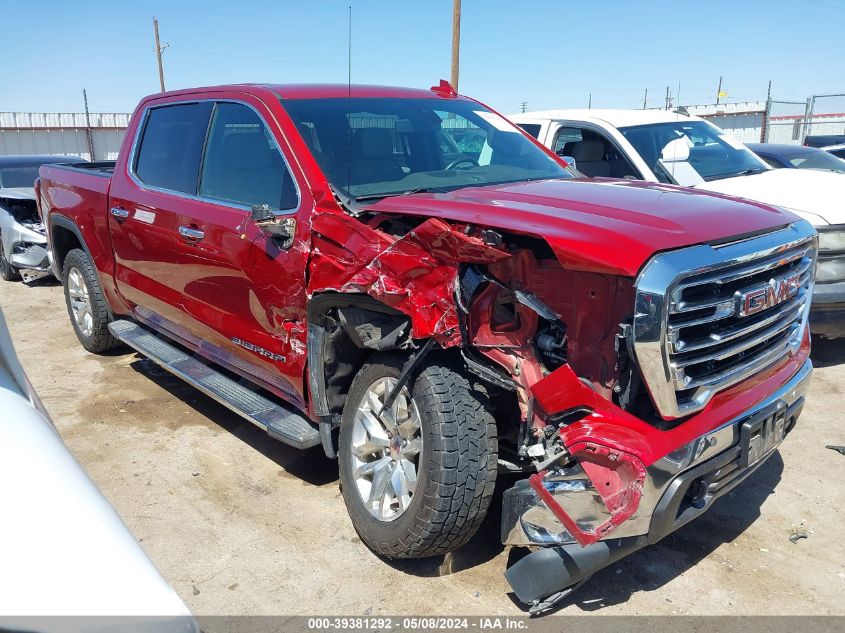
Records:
x=696, y=494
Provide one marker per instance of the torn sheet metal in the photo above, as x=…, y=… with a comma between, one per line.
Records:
x=415, y=273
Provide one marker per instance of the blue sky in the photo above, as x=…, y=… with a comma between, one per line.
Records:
x=550, y=54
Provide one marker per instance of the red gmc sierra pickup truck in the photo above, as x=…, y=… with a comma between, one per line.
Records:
x=407, y=279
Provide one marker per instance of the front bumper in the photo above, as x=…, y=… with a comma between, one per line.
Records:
x=827, y=312
x=27, y=251
x=31, y=261
x=677, y=489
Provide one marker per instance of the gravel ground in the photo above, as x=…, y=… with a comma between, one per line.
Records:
x=241, y=524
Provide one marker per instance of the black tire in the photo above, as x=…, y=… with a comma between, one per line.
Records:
x=456, y=470
x=100, y=338
x=7, y=271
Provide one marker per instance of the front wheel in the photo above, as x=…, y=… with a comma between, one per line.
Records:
x=7, y=271
x=417, y=477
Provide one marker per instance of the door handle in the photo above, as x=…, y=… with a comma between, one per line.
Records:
x=192, y=234
x=119, y=213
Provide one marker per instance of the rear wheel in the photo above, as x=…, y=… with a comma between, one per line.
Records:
x=86, y=305
x=418, y=478
x=7, y=271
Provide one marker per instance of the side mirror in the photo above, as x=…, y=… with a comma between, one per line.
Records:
x=283, y=227
x=570, y=161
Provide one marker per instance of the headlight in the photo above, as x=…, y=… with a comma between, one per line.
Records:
x=832, y=239
x=832, y=269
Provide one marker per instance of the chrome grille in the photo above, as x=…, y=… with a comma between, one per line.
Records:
x=708, y=317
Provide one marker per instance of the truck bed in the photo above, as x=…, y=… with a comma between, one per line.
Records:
x=77, y=195
x=99, y=168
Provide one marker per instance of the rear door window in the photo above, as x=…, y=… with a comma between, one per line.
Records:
x=242, y=162
x=168, y=156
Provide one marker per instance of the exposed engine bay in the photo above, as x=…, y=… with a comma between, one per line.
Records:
x=24, y=212
x=516, y=314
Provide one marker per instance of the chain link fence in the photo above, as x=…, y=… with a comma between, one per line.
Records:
x=826, y=114
x=791, y=121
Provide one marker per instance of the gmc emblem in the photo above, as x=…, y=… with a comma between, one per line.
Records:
x=775, y=292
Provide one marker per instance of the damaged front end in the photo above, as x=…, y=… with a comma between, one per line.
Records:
x=615, y=475
x=23, y=237
x=603, y=471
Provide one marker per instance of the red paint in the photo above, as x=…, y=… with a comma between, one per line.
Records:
x=237, y=283
x=444, y=89
x=617, y=478
x=611, y=426
x=610, y=227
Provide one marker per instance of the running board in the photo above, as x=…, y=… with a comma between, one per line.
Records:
x=280, y=423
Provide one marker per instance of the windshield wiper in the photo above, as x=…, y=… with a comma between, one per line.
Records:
x=745, y=172
x=388, y=194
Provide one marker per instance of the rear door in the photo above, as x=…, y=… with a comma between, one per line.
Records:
x=244, y=289
x=146, y=203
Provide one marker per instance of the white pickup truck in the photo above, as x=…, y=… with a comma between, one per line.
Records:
x=673, y=148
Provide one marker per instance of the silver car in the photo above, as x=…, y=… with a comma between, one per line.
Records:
x=63, y=549
x=23, y=241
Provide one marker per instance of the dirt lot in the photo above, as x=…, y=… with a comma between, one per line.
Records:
x=241, y=524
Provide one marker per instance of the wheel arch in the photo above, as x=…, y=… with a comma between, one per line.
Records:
x=329, y=334
x=64, y=237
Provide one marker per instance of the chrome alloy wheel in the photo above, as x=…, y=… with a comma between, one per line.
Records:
x=80, y=302
x=386, y=450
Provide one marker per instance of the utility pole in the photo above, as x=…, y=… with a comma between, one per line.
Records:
x=456, y=42
x=645, y=99
x=764, y=134
x=158, y=51
x=524, y=106
x=89, y=135
x=590, y=102
x=668, y=99
x=719, y=91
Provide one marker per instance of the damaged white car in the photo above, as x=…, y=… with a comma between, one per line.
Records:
x=23, y=240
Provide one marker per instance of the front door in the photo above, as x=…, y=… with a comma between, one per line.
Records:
x=244, y=289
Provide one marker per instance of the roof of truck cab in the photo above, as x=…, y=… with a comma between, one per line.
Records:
x=329, y=91
x=317, y=91
x=613, y=118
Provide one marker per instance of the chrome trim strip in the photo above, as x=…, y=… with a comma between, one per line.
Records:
x=653, y=340
x=662, y=472
x=757, y=268
x=794, y=305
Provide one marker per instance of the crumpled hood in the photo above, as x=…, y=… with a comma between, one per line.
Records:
x=817, y=196
x=18, y=193
x=597, y=225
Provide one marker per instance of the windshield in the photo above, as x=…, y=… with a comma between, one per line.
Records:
x=691, y=152
x=816, y=160
x=371, y=148
x=18, y=176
